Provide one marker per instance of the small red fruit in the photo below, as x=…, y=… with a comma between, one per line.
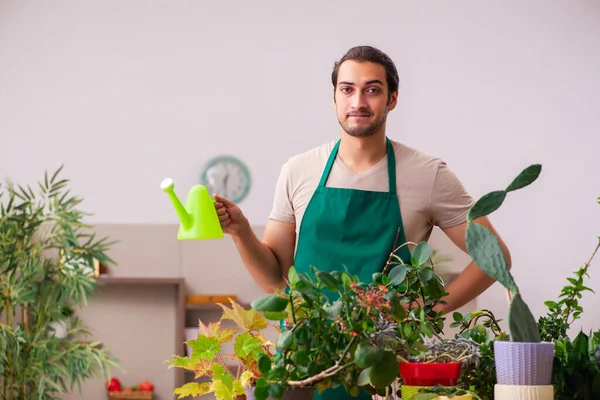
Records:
x=146, y=386
x=114, y=385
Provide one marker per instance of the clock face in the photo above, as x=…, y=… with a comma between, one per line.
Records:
x=228, y=177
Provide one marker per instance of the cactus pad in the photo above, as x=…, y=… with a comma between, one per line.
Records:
x=484, y=248
x=521, y=322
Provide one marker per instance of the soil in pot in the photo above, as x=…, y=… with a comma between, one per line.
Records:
x=430, y=374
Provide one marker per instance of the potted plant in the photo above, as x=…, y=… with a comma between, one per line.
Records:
x=208, y=360
x=46, y=255
x=355, y=342
x=523, y=363
x=439, y=365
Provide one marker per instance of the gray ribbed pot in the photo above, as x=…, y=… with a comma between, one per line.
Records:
x=520, y=363
x=300, y=393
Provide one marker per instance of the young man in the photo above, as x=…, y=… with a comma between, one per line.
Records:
x=344, y=202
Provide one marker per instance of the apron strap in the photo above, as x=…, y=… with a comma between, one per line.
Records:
x=391, y=160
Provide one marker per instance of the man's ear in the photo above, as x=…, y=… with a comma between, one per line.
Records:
x=393, y=101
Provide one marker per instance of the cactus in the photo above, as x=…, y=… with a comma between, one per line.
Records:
x=483, y=246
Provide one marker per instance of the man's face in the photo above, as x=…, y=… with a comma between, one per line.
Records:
x=361, y=98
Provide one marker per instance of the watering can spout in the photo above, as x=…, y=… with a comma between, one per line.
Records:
x=199, y=219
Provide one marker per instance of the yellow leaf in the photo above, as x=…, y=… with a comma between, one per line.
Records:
x=247, y=378
x=193, y=389
x=182, y=362
x=214, y=330
x=222, y=392
x=238, y=389
x=250, y=320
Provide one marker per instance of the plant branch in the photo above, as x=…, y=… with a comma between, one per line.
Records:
x=583, y=272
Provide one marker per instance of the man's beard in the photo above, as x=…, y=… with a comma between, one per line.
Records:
x=364, y=131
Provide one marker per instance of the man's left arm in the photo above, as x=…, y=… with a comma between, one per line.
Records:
x=472, y=281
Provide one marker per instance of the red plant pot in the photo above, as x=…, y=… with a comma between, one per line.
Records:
x=430, y=374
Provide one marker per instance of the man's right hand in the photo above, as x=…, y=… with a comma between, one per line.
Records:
x=230, y=215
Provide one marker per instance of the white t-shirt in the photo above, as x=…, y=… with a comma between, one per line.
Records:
x=429, y=193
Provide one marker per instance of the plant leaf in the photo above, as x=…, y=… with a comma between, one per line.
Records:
x=484, y=248
x=204, y=348
x=250, y=320
x=486, y=205
x=420, y=254
x=194, y=389
x=397, y=275
x=328, y=280
x=525, y=178
x=366, y=355
x=270, y=302
x=333, y=311
x=385, y=371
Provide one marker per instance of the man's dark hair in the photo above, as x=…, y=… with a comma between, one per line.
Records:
x=374, y=55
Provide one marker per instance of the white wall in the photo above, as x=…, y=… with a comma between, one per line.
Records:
x=126, y=93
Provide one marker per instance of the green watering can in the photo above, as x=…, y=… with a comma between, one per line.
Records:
x=199, y=219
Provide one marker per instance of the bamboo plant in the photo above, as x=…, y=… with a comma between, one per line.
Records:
x=46, y=255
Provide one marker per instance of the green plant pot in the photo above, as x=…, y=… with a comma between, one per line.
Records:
x=301, y=393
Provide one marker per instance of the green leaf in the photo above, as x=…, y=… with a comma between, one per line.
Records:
x=484, y=248
x=457, y=316
x=364, y=378
x=245, y=345
x=420, y=254
x=275, y=315
x=302, y=335
x=270, y=302
x=397, y=275
x=333, y=311
x=285, y=339
x=328, y=280
x=525, y=178
x=275, y=390
x=204, y=348
x=264, y=364
x=366, y=355
x=425, y=275
x=293, y=277
x=522, y=324
x=486, y=204
x=385, y=371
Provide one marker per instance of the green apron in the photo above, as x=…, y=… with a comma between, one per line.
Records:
x=353, y=230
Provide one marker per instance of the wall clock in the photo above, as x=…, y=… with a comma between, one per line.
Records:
x=227, y=176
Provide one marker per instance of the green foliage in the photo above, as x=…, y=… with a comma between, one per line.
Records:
x=340, y=331
x=486, y=251
x=251, y=352
x=576, y=366
x=46, y=253
x=483, y=328
x=576, y=373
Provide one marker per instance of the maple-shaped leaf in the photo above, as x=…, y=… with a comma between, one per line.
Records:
x=247, y=378
x=204, y=348
x=238, y=388
x=182, y=362
x=193, y=389
x=246, y=346
x=215, y=330
x=202, y=368
x=249, y=320
x=220, y=373
x=221, y=390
